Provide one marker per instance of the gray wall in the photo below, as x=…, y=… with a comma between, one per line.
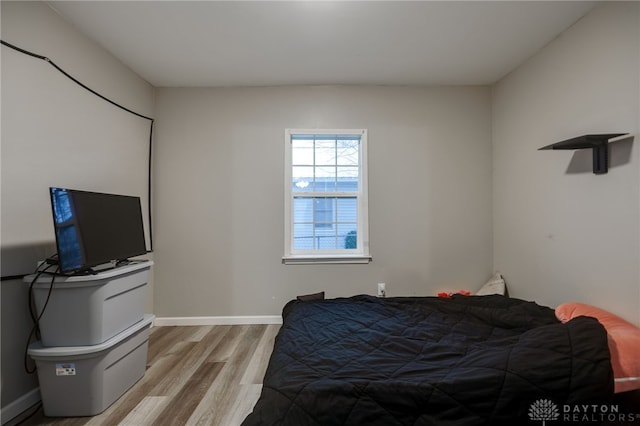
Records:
x=56, y=133
x=220, y=179
x=562, y=233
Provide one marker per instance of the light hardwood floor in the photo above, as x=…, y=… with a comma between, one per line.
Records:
x=202, y=375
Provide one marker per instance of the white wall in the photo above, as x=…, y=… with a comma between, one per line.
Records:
x=219, y=178
x=562, y=233
x=56, y=133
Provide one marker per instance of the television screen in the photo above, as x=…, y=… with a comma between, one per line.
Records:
x=94, y=228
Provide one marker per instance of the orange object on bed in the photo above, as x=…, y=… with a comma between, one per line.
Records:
x=623, y=338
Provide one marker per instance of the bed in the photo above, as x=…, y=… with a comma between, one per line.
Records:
x=463, y=360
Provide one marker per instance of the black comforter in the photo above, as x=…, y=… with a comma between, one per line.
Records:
x=430, y=361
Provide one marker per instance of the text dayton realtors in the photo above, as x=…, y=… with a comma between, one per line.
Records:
x=596, y=413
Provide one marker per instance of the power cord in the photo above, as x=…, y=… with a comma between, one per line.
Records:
x=84, y=86
x=35, y=330
x=48, y=264
x=69, y=76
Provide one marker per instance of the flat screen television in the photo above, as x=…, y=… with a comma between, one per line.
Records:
x=94, y=228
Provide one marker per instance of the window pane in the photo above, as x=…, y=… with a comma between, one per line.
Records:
x=347, y=178
x=324, y=212
x=348, y=236
x=348, y=172
x=348, y=152
x=303, y=237
x=347, y=210
x=302, y=141
x=325, y=153
x=302, y=153
x=326, y=242
x=325, y=172
x=302, y=210
x=302, y=172
x=325, y=180
x=347, y=185
x=302, y=178
x=301, y=185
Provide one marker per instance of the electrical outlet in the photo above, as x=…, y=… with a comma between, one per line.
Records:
x=382, y=291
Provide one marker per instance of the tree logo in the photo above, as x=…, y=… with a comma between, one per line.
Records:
x=543, y=409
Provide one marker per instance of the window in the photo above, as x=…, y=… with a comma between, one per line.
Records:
x=326, y=196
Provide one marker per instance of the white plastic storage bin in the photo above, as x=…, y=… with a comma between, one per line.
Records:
x=86, y=380
x=90, y=309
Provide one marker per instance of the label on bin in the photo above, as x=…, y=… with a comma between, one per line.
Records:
x=66, y=369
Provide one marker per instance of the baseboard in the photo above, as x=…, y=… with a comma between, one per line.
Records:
x=20, y=405
x=232, y=320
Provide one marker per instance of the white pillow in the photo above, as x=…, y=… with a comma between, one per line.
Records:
x=495, y=285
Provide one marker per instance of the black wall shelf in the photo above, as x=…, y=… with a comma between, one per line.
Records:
x=598, y=143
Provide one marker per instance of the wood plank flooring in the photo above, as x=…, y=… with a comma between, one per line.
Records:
x=201, y=375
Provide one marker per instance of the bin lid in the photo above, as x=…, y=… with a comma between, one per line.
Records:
x=96, y=279
x=37, y=350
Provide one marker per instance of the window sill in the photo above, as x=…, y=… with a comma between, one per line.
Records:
x=325, y=259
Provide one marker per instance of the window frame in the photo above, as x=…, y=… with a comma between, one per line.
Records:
x=359, y=255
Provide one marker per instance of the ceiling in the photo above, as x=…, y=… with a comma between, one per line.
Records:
x=266, y=43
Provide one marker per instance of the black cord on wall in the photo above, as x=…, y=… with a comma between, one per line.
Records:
x=35, y=317
x=79, y=83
